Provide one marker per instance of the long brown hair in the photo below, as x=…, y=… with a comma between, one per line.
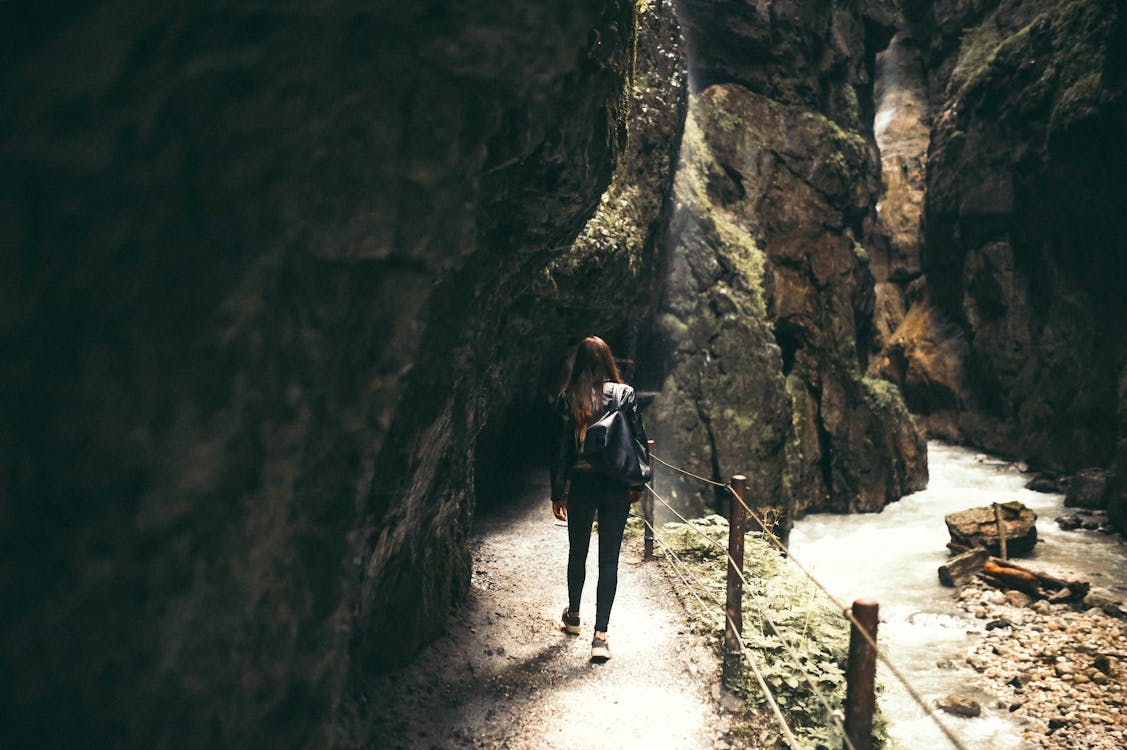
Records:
x=594, y=365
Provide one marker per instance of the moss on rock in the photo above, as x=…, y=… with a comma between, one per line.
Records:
x=766, y=255
x=795, y=635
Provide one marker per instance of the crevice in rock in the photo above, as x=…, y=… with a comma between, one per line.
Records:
x=789, y=337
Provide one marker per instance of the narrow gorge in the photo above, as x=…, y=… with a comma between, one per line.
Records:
x=288, y=290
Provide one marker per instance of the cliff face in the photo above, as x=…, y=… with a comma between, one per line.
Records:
x=768, y=311
x=1015, y=342
x=256, y=301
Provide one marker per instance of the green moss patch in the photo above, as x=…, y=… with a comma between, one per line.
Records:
x=796, y=637
x=1065, y=41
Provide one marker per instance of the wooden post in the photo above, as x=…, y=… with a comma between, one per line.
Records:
x=648, y=516
x=860, y=692
x=1001, y=530
x=733, y=622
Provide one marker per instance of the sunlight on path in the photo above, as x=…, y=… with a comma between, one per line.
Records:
x=508, y=677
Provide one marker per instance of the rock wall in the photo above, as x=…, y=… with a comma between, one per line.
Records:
x=1015, y=342
x=606, y=281
x=901, y=132
x=768, y=311
x=258, y=274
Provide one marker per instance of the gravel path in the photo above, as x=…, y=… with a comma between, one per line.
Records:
x=506, y=676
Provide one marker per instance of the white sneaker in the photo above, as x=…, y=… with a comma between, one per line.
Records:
x=600, y=649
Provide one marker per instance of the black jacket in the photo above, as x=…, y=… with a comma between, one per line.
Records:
x=565, y=450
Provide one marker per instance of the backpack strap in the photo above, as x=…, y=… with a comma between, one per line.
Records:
x=617, y=394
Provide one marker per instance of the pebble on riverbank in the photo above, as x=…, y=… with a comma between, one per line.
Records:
x=1062, y=672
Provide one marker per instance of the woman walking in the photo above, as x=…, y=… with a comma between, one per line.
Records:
x=578, y=492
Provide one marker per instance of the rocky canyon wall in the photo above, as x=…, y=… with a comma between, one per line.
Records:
x=1012, y=340
x=768, y=309
x=260, y=273
x=605, y=282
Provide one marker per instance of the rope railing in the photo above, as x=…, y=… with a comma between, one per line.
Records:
x=848, y=613
x=737, y=567
x=859, y=627
x=787, y=732
x=688, y=473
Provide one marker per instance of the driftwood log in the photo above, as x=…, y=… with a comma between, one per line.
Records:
x=1007, y=575
x=963, y=567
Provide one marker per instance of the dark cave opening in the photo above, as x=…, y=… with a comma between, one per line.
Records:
x=512, y=453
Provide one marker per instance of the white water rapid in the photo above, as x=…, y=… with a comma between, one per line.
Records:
x=893, y=556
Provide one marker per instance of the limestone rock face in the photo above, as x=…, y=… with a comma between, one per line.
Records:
x=610, y=271
x=259, y=303
x=768, y=308
x=902, y=111
x=1024, y=248
x=723, y=403
x=605, y=281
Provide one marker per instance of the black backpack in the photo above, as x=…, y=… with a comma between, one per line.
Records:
x=612, y=449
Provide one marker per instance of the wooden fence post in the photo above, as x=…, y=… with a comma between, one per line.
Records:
x=860, y=692
x=733, y=622
x=1001, y=530
x=648, y=516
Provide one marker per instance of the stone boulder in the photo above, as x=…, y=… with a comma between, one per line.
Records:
x=1048, y=482
x=958, y=705
x=978, y=527
x=1089, y=520
x=1088, y=489
x=1117, y=513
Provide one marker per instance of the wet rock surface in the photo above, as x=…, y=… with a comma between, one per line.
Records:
x=978, y=527
x=1061, y=671
x=1047, y=482
x=958, y=705
x=1096, y=520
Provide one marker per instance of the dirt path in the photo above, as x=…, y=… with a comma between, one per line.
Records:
x=506, y=676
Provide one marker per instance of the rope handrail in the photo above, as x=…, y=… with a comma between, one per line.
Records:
x=788, y=734
x=787, y=647
x=862, y=630
x=686, y=472
x=846, y=611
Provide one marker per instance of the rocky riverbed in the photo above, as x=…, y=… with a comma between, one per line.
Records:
x=1060, y=670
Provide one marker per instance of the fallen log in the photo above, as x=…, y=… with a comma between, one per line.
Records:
x=1007, y=575
x=963, y=567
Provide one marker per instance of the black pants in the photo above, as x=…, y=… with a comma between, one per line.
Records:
x=588, y=495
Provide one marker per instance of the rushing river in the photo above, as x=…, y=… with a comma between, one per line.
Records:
x=892, y=557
